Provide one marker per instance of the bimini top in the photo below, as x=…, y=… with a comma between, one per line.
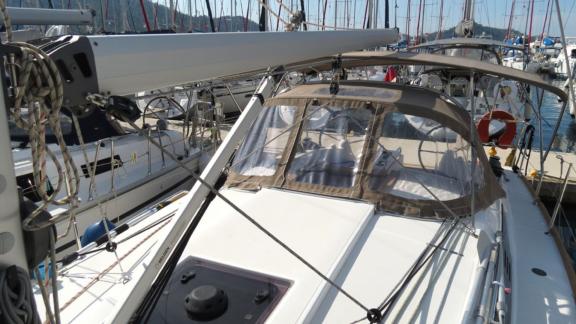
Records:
x=466, y=42
x=405, y=149
x=382, y=58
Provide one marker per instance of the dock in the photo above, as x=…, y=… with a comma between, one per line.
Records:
x=555, y=169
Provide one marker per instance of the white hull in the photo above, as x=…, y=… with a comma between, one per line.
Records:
x=135, y=181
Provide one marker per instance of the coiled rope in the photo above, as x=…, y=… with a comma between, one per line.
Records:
x=38, y=87
x=16, y=301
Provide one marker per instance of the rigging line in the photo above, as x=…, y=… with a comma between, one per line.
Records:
x=418, y=260
x=420, y=257
x=131, y=236
x=388, y=306
x=545, y=20
x=418, y=23
x=55, y=299
x=531, y=20
x=107, y=270
x=324, y=14
x=279, y=12
x=365, y=21
x=439, y=35
x=131, y=17
x=487, y=14
x=254, y=222
x=550, y=19
x=569, y=14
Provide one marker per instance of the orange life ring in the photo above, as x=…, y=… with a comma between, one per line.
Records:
x=505, y=139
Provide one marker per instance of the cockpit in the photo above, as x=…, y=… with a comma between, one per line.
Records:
x=406, y=149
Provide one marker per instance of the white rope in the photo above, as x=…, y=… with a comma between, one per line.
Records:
x=38, y=87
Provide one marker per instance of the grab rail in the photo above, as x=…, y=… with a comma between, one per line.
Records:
x=560, y=198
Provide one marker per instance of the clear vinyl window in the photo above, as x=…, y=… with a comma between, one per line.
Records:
x=418, y=158
x=264, y=145
x=330, y=146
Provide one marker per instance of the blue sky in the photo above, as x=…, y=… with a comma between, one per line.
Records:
x=493, y=13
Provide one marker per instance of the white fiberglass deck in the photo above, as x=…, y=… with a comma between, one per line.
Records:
x=90, y=287
x=368, y=253
x=535, y=298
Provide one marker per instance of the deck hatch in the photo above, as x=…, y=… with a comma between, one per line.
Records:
x=251, y=296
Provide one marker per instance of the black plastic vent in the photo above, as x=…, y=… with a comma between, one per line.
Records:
x=201, y=291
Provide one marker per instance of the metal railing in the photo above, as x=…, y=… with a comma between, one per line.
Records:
x=115, y=164
x=560, y=196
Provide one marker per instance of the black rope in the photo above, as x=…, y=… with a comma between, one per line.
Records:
x=422, y=260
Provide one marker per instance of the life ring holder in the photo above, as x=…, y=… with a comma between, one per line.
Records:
x=505, y=139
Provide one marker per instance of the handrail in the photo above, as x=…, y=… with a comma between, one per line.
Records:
x=93, y=175
x=561, y=197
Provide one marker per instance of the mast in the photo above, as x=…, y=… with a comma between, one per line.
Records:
x=395, y=13
x=468, y=10
x=530, y=30
x=418, y=23
x=375, y=14
x=303, y=15
x=210, y=16
x=439, y=35
x=466, y=27
x=262, y=24
x=190, y=27
x=545, y=21
x=335, y=14
x=324, y=14
x=423, y=18
x=279, y=12
x=386, y=14
x=408, y=24
x=510, y=21
x=370, y=14
x=171, y=14
x=145, y=16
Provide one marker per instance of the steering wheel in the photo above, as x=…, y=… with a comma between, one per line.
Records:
x=420, y=150
x=155, y=113
x=335, y=115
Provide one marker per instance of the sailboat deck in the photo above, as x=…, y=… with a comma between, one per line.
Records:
x=366, y=253
x=539, y=299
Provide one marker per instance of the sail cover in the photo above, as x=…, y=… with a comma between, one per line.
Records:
x=406, y=149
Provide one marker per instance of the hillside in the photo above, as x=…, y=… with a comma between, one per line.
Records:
x=490, y=32
x=133, y=21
